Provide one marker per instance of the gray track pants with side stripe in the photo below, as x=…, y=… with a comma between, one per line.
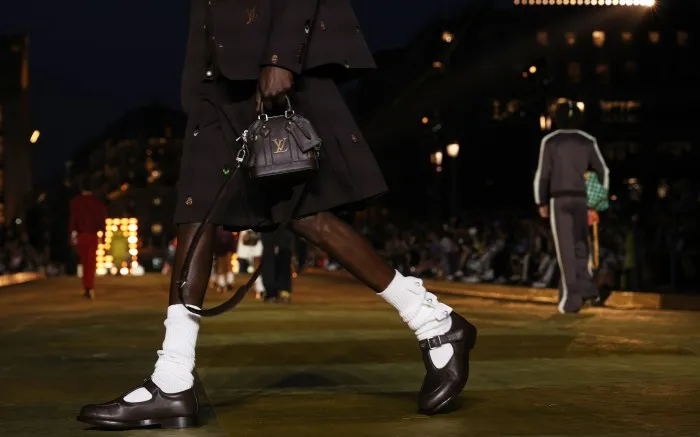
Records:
x=569, y=219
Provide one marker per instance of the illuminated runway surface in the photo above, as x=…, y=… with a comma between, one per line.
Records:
x=338, y=362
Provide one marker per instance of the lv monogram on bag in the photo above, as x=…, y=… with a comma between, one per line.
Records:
x=280, y=145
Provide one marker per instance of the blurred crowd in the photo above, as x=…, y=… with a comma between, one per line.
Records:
x=651, y=249
x=657, y=251
x=18, y=254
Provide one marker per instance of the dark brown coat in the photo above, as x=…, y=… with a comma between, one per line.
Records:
x=249, y=34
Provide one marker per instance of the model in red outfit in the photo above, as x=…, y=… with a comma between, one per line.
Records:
x=87, y=218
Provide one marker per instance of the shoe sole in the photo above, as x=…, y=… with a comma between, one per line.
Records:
x=170, y=422
x=446, y=403
x=471, y=342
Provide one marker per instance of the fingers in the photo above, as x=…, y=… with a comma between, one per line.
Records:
x=275, y=93
x=273, y=101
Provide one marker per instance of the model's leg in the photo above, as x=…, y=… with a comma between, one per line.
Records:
x=82, y=249
x=445, y=337
x=259, y=284
x=220, y=268
x=89, y=259
x=230, y=277
x=168, y=397
x=283, y=264
x=302, y=253
x=351, y=249
x=269, y=267
x=173, y=371
x=562, y=222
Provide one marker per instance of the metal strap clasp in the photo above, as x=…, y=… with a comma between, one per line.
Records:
x=434, y=342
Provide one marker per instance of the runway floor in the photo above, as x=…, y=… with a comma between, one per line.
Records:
x=339, y=362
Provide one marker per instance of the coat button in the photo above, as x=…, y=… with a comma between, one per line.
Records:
x=354, y=138
x=323, y=25
x=274, y=59
x=195, y=132
x=346, y=64
x=221, y=46
x=209, y=73
x=188, y=202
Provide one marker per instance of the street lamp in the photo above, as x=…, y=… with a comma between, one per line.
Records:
x=545, y=122
x=436, y=159
x=452, y=152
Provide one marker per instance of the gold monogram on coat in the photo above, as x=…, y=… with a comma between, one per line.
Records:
x=251, y=14
x=280, y=145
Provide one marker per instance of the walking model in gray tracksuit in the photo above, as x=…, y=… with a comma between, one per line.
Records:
x=560, y=192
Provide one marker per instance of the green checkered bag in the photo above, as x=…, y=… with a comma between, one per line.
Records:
x=596, y=193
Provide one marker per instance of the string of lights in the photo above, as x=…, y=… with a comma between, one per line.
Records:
x=128, y=227
x=639, y=3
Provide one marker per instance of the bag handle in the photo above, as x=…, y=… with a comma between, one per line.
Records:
x=288, y=113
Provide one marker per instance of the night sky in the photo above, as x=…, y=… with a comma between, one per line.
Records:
x=93, y=60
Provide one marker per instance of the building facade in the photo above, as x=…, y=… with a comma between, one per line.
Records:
x=15, y=130
x=487, y=81
x=134, y=165
x=631, y=69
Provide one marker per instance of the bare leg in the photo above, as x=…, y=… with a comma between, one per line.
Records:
x=168, y=398
x=200, y=264
x=259, y=288
x=173, y=370
x=344, y=244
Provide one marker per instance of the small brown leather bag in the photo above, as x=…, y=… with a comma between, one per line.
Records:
x=282, y=147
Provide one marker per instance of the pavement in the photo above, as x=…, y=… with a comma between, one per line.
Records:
x=339, y=362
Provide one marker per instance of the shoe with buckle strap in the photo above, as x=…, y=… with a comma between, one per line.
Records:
x=164, y=410
x=442, y=386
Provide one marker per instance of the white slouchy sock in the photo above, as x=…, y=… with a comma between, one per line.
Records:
x=173, y=370
x=422, y=312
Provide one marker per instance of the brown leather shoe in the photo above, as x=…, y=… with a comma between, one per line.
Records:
x=442, y=386
x=177, y=410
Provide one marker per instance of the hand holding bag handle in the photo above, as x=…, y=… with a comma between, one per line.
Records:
x=240, y=161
